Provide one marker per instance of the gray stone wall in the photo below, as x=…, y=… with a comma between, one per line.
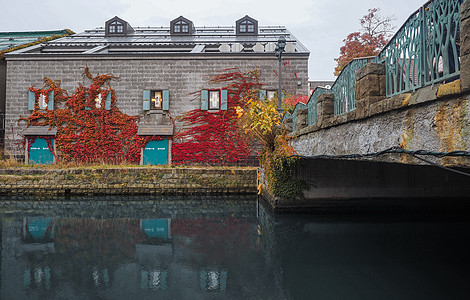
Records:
x=441, y=126
x=181, y=76
x=131, y=181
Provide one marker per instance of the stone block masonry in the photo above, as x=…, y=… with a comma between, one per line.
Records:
x=181, y=76
x=130, y=181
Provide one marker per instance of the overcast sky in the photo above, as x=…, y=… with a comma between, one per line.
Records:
x=320, y=25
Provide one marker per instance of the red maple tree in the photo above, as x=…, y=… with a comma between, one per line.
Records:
x=373, y=36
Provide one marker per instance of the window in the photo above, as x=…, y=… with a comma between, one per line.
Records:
x=116, y=27
x=98, y=101
x=42, y=101
x=156, y=100
x=214, y=99
x=181, y=27
x=270, y=94
x=247, y=27
x=213, y=280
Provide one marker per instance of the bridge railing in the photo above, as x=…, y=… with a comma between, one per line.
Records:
x=424, y=51
x=344, y=87
x=312, y=105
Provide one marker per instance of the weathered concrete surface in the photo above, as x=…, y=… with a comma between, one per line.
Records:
x=441, y=126
x=348, y=185
x=132, y=181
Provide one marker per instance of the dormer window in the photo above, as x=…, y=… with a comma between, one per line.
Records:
x=181, y=26
x=116, y=27
x=247, y=26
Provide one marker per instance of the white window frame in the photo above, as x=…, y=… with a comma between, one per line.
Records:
x=270, y=94
x=116, y=27
x=153, y=99
x=42, y=101
x=181, y=27
x=213, y=101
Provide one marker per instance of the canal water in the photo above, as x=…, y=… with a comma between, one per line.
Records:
x=225, y=248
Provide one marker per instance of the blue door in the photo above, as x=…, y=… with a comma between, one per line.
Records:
x=155, y=228
x=39, y=228
x=39, y=153
x=156, y=153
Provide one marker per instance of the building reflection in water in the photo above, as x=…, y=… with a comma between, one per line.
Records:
x=170, y=255
x=37, y=242
x=228, y=250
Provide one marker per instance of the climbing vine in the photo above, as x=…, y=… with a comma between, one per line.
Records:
x=89, y=130
x=215, y=137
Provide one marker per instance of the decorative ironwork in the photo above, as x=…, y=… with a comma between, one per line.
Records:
x=312, y=105
x=442, y=40
x=344, y=87
x=425, y=50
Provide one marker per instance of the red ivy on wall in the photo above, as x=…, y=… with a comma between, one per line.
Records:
x=89, y=133
x=86, y=131
x=215, y=137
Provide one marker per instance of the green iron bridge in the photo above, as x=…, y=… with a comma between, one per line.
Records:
x=397, y=125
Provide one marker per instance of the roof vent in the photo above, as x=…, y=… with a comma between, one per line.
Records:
x=290, y=47
x=258, y=47
x=270, y=47
x=237, y=47
x=224, y=47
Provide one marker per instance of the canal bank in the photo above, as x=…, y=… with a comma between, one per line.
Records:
x=18, y=182
x=356, y=186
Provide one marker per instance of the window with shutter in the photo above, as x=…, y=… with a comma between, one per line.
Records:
x=146, y=100
x=204, y=98
x=223, y=100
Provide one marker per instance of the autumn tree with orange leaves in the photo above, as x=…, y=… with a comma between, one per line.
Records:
x=373, y=36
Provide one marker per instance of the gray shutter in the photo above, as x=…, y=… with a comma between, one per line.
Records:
x=50, y=103
x=223, y=100
x=31, y=100
x=166, y=100
x=262, y=95
x=146, y=100
x=204, y=100
x=86, y=100
x=107, y=102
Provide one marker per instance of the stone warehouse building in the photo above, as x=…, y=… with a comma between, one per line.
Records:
x=10, y=41
x=159, y=68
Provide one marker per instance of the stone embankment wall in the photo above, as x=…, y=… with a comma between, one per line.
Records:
x=434, y=118
x=131, y=181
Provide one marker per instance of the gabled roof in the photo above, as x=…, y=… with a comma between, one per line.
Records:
x=249, y=19
x=144, y=41
x=126, y=26
x=9, y=40
x=187, y=21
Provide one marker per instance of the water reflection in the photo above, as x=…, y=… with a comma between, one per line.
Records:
x=224, y=249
